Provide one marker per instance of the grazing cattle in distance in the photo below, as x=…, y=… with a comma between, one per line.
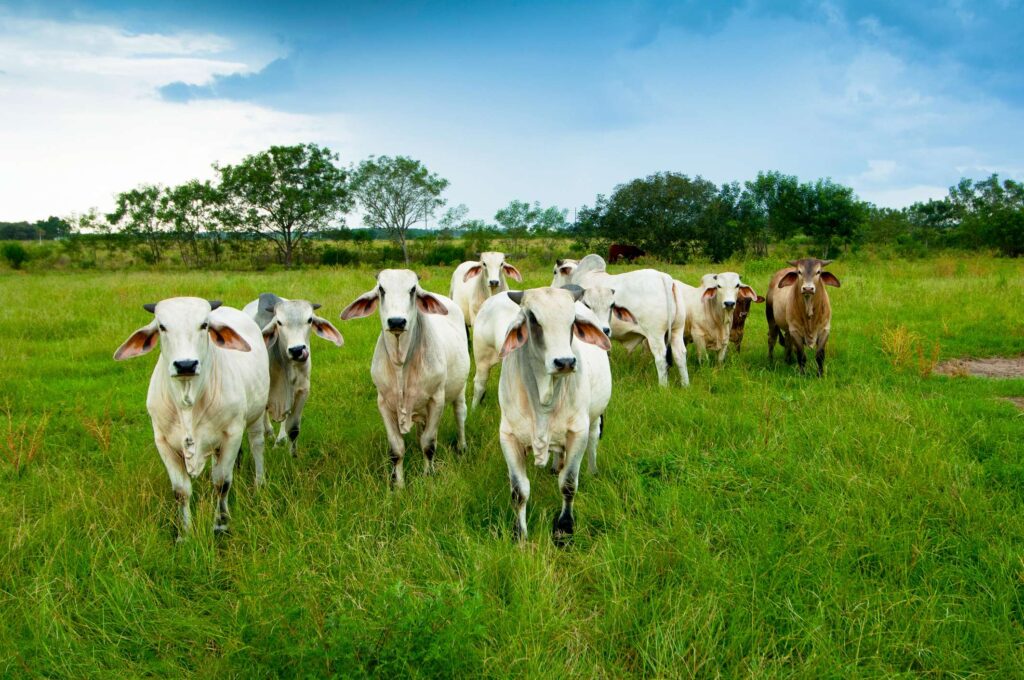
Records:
x=623, y=251
x=474, y=282
x=739, y=319
x=286, y=326
x=657, y=319
x=710, y=309
x=419, y=365
x=596, y=305
x=562, y=271
x=798, y=310
x=208, y=388
x=553, y=392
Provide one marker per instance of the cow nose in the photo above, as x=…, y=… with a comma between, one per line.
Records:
x=808, y=289
x=493, y=283
x=565, y=363
x=298, y=352
x=729, y=304
x=396, y=323
x=607, y=331
x=186, y=366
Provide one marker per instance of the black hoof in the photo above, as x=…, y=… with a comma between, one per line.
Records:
x=562, y=531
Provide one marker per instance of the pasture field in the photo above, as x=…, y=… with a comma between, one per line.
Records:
x=757, y=524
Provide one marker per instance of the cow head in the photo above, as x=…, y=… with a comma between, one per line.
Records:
x=494, y=268
x=185, y=330
x=547, y=320
x=601, y=301
x=725, y=289
x=400, y=299
x=563, y=272
x=809, y=274
x=290, y=327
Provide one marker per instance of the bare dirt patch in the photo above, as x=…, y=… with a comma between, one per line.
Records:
x=994, y=367
x=1016, y=401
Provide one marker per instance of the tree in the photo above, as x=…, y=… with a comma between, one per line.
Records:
x=772, y=206
x=452, y=220
x=516, y=219
x=833, y=216
x=395, y=193
x=286, y=193
x=191, y=208
x=991, y=214
x=137, y=213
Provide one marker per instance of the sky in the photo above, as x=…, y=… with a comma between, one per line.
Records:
x=535, y=101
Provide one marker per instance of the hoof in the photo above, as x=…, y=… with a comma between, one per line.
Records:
x=220, y=530
x=562, y=531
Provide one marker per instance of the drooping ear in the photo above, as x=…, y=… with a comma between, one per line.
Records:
x=512, y=271
x=516, y=296
x=429, y=304
x=708, y=293
x=326, y=330
x=576, y=291
x=748, y=292
x=473, y=271
x=270, y=333
x=316, y=305
x=788, y=280
x=623, y=314
x=140, y=342
x=226, y=337
x=214, y=304
x=829, y=279
x=517, y=335
x=588, y=332
x=150, y=307
x=760, y=298
x=364, y=305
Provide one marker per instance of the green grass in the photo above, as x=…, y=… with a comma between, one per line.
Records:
x=757, y=524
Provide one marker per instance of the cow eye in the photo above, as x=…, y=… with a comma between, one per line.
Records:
x=588, y=306
x=531, y=317
x=310, y=320
x=204, y=326
x=412, y=291
x=162, y=328
x=737, y=285
x=380, y=290
x=279, y=323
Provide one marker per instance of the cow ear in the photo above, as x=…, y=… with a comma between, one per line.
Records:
x=623, y=314
x=748, y=292
x=517, y=335
x=829, y=279
x=364, y=305
x=326, y=330
x=270, y=333
x=788, y=280
x=588, y=332
x=226, y=337
x=472, y=271
x=708, y=293
x=429, y=304
x=214, y=304
x=140, y=342
x=316, y=306
x=512, y=271
x=565, y=271
x=760, y=298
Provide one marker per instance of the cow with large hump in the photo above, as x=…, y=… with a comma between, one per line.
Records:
x=420, y=363
x=287, y=326
x=799, y=311
x=473, y=282
x=710, y=309
x=657, y=319
x=555, y=386
x=209, y=387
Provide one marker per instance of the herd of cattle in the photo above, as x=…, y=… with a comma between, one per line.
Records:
x=225, y=372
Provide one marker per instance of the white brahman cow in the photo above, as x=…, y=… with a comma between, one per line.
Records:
x=474, y=282
x=709, y=311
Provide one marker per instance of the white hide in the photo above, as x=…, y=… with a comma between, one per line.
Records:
x=474, y=282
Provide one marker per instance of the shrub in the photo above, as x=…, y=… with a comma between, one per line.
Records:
x=444, y=255
x=338, y=256
x=15, y=254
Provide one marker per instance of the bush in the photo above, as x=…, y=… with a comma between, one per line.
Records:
x=444, y=255
x=389, y=255
x=338, y=256
x=15, y=254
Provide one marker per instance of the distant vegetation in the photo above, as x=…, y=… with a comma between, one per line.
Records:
x=288, y=206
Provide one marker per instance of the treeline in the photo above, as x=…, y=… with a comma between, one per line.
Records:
x=283, y=204
x=682, y=218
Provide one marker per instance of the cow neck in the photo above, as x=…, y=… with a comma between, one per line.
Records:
x=714, y=314
x=404, y=349
x=187, y=397
x=542, y=388
x=813, y=306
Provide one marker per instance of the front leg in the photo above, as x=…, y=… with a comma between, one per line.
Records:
x=564, y=525
x=221, y=475
x=396, y=441
x=515, y=460
x=701, y=345
x=257, y=444
x=819, y=354
x=294, y=420
x=428, y=438
x=180, y=483
x=801, y=355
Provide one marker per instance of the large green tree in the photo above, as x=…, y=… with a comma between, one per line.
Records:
x=286, y=194
x=193, y=208
x=991, y=214
x=395, y=193
x=137, y=215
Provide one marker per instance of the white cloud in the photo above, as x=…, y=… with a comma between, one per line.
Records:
x=82, y=119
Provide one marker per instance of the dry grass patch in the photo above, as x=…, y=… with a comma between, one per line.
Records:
x=993, y=367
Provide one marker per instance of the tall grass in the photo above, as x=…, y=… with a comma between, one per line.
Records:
x=870, y=523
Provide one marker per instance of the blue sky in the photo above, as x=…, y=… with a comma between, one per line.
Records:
x=533, y=101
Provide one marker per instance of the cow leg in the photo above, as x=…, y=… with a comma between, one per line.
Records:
x=773, y=336
x=484, y=364
x=701, y=345
x=722, y=352
x=592, y=440
x=515, y=460
x=396, y=442
x=293, y=423
x=428, y=438
x=460, y=421
x=819, y=354
x=787, y=342
x=564, y=525
x=268, y=426
x=656, y=343
x=257, y=443
x=801, y=355
x=180, y=483
x=678, y=339
x=221, y=474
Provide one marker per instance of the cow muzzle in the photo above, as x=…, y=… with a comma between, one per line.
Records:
x=564, y=365
x=185, y=368
x=397, y=324
x=298, y=353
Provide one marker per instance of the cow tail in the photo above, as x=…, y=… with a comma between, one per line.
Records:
x=670, y=301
